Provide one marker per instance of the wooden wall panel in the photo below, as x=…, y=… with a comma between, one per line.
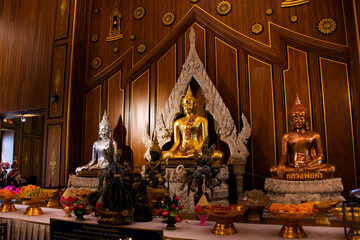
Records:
x=262, y=117
x=227, y=77
x=115, y=100
x=26, y=154
x=62, y=19
x=27, y=31
x=37, y=160
x=58, y=81
x=93, y=116
x=166, y=77
x=139, y=116
x=296, y=82
x=53, y=156
x=339, y=133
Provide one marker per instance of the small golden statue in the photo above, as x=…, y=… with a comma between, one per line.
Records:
x=189, y=135
x=304, y=149
x=102, y=149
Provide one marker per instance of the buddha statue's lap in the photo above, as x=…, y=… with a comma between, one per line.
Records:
x=189, y=135
x=303, y=150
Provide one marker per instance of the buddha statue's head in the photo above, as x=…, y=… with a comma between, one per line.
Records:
x=189, y=102
x=155, y=150
x=105, y=127
x=299, y=115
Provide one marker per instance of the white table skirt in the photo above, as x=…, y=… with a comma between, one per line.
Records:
x=21, y=226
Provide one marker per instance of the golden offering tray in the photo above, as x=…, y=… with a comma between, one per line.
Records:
x=34, y=203
x=292, y=228
x=7, y=204
x=321, y=217
x=54, y=198
x=225, y=214
x=254, y=209
x=338, y=212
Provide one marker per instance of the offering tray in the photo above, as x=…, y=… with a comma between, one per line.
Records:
x=321, y=217
x=338, y=212
x=224, y=213
x=292, y=228
x=54, y=198
x=254, y=209
x=34, y=208
x=7, y=205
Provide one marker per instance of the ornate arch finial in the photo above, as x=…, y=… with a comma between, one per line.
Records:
x=192, y=38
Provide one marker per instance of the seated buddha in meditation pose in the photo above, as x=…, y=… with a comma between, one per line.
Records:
x=190, y=133
x=103, y=149
x=304, y=149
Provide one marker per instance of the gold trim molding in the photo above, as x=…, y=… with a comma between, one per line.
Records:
x=293, y=3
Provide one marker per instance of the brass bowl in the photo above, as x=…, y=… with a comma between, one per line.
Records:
x=54, y=198
x=34, y=203
x=321, y=217
x=338, y=212
x=224, y=213
x=7, y=205
x=292, y=228
x=254, y=211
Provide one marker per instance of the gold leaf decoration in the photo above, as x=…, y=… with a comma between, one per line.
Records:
x=94, y=38
x=269, y=11
x=223, y=8
x=141, y=48
x=63, y=7
x=116, y=49
x=132, y=37
x=53, y=163
x=139, y=13
x=57, y=81
x=327, y=25
x=168, y=18
x=96, y=63
x=293, y=19
x=257, y=28
x=293, y=3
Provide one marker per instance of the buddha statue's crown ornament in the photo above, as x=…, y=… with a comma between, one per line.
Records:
x=105, y=121
x=155, y=145
x=189, y=95
x=298, y=106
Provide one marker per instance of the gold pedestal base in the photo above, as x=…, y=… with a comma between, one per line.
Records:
x=253, y=217
x=292, y=229
x=53, y=203
x=353, y=231
x=33, y=211
x=322, y=219
x=7, y=206
x=224, y=226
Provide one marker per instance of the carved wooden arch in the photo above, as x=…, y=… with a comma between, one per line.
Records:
x=224, y=124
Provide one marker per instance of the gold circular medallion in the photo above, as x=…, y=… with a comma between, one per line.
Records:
x=94, y=38
x=132, y=37
x=96, y=62
x=223, y=8
x=327, y=25
x=139, y=13
x=168, y=18
x=257, y=28
x=269, y=11
x=141, y=48
x=194, y=1
x=96, y=11
x=116, y=49
x=293, y=19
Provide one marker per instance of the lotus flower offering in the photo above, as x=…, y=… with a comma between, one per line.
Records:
x=7, y=195
x=292, y=214
x=33, y=196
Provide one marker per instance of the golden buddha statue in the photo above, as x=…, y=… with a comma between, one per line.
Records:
x=304, y=150
x=189, y=134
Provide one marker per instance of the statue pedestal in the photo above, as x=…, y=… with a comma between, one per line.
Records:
x=76, y=182
x=286, y=191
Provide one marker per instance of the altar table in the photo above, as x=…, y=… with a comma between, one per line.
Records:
x=38, y=227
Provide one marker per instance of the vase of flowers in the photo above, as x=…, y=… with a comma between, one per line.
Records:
x=170, y=212
x=201, y=215
x=80, y=207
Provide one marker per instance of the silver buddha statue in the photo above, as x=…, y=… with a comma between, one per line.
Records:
x=102, y=149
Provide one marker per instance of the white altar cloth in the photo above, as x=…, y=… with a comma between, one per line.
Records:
x=38, y=227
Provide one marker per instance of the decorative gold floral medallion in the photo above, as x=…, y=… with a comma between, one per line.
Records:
x=257, y=28
x=141, y=48
x=96, y=62
x=223, y=8
x=116, y=49
x=139, y=13
x=293, y=19
x=94, y=38
x=269, y=11
x=194, y=1
x=327, y=25
x=96, y=11
x=168, y=18
x=132, y=37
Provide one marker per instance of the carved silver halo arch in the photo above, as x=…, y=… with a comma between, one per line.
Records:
x=224, y=124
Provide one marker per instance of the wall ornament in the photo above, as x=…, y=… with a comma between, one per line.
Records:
x=194, y=1
x=327, y=25
x=139, y=13
x=132, y=37
x=115, y=28
x=94, y=38
x=168, y=18
x=293, y=18
x=293, y=3
x=269, y=11
x=141, y=48
x=223, y=8
x=225, y=127
x=96, y=63
x=257, y=28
